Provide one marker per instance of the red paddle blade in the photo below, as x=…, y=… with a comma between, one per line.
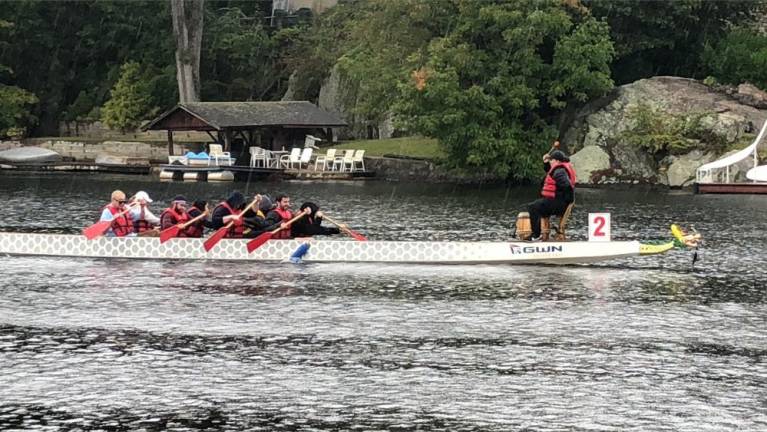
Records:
x=357, y=236
x=215, y=238
x=258, y=241
x=96, y=229
x=169, y=233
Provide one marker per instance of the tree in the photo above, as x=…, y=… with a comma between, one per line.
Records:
x=491, y=90
x=187, y=28
x=129, y=100
x=15, y=102
x=667, y=37
x=738, y=57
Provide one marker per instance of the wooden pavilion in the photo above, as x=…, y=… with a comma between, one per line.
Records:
x=239, y=125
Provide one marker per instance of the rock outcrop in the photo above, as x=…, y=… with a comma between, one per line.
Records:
x=601, y=124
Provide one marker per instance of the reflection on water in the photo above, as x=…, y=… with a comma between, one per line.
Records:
x=634, y=344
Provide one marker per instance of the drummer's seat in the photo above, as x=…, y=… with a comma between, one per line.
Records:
x=559, y=230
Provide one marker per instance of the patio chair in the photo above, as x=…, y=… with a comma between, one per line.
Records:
x=329, y=156
x=343, y=161
x=310, y=140
x=358, y=158
x=217, y=152
x=306, y=157
x=294, y=157
x=258, y=154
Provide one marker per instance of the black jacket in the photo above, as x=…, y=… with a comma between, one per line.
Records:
x=311, y=225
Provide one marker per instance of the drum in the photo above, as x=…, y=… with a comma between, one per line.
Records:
x=524, y=229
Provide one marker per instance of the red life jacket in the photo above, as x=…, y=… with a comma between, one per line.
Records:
x=174, y=218
x=120, y=225
x=550, y=185
x=140, y=225
x=286, y=215
x=194, y=230
x=237, y=229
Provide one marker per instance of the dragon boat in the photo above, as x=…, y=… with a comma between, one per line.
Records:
x=314, y=250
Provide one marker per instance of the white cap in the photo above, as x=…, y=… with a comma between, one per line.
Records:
x=141, y=195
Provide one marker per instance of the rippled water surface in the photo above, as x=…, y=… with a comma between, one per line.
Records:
x=635, y=344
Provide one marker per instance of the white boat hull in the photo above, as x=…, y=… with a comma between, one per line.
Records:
x=418, y=252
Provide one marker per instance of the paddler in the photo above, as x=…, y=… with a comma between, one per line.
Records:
x=311, y=224
x=255, y=219
x=143, y=219
x=175, y=214
x=280, y=214
x=557, y=193
x=121, y=226
x=230, y=210
x=196, y=229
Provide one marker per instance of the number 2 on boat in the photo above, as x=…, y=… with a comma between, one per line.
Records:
x=599, y=227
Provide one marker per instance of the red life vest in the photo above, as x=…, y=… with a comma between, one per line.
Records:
x=140, y=225
x=174, y=218
x=120, y=225
x=194, y=230
x=238, y=228
x=286, y=215
x=550, y=185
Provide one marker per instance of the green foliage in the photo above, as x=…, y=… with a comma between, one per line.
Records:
x=493, y=86
x=661, y=133
x=129, y=101
x=240, y=57
x=15, y=115
x=667, y=37
x=15, y=102
x=738, y=57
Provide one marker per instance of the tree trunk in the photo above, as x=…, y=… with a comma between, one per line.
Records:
x=187, y=28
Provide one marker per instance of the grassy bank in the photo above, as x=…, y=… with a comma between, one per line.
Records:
x=416, y=147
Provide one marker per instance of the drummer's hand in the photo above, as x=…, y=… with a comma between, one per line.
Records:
x=546, y=158
x=257, y=197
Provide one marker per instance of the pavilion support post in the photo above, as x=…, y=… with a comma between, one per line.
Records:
x=170, y=142
x=227, y=140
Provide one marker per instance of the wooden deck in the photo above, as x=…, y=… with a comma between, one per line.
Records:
x=242, y=172
x=80, y=167
x=731, y=188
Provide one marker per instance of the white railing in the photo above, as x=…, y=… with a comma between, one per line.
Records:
x=705, y=173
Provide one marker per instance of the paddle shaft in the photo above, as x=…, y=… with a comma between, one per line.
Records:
x=101, y=226
x=288, y=223
x=186, y=224
x=265, y=237
x=344, y=228
x=221, y=232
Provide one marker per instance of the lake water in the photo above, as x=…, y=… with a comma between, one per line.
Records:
x=635, y=344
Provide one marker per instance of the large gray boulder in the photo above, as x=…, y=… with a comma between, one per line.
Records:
x=589, y=160
x=681, y=169
x=602, y=122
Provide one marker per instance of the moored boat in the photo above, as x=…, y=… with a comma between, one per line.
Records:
x=29, y=156
x=415, y=252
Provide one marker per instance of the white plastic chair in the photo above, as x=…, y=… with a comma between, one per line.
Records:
x=306, y=157
x=358, y=158
x=294, y=157
x=310, y=140
x=329, y=156
x=343, y=161
x=216, y=152
x=257, y=154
